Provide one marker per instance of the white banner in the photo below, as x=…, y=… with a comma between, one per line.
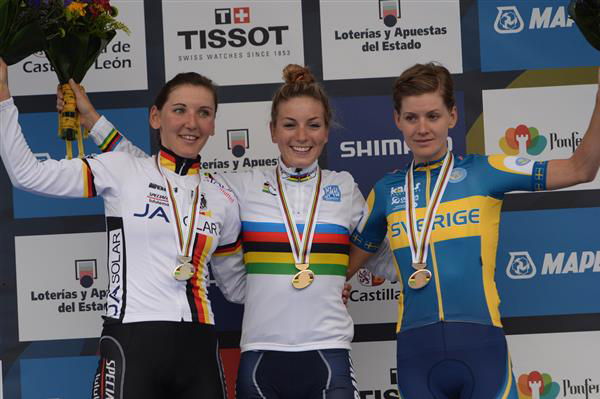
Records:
x=540, y=123
x=375, y=369
x=561, y=365
x=232, y=42
x=122, y=66
x=373, y=300
x=61, y=285
x=242, y=139
x=381, y=38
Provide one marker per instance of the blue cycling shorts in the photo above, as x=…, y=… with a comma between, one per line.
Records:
x=318, y=374
x=454, y=360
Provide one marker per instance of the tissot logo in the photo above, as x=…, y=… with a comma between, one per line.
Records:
x=241, y=15
x=234, y=36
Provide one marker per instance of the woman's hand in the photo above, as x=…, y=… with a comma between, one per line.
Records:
x=87, y=113
x=4, y=91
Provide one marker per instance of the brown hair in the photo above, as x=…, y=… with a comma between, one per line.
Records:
x=299, y=82
x=182, y=79
x=424, y=78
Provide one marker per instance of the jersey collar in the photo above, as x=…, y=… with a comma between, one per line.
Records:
x=298, y=174
x=429, y=165
x=176, y=164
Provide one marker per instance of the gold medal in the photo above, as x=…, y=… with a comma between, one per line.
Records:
x=419, y=279
x=185, y=270
x=301, y=266
x=419, y=266
x=303, y=279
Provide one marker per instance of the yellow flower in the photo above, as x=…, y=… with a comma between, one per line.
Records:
x=77, y=8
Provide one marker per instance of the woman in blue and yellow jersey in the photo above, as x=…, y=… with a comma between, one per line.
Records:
x=296, y=224
x=441, y=215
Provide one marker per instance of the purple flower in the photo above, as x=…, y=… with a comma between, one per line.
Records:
x=36, y=3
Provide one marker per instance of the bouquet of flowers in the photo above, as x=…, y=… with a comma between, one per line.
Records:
x=20, y=32
x=76, y=32
x=586, y=14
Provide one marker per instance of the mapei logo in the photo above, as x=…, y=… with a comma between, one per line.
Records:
x=523, y=140
x=520, y=266
x=86, y=271
x=509, y=20
x=332, y=193
x=389, y=12
x=241, y=15
x=237, y=141
x=368, y=279
x=536, y=385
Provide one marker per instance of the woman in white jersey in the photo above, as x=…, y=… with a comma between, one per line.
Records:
x=296, y=331
x=158, y=339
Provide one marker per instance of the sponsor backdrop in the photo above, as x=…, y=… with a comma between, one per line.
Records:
x=524, y=85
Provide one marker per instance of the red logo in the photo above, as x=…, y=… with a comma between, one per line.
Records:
x=241, y=15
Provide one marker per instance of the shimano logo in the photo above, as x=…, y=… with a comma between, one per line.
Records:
x=376, y=148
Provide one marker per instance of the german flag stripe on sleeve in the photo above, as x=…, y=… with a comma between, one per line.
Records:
x=89, y=189
x=111, y=141
x=199, y=302
x=229, y=249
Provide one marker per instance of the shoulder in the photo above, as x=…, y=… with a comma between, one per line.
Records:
x=510, y=163
x=341, y=177
x=216, y=187
x=390, y=181
x=118, y=158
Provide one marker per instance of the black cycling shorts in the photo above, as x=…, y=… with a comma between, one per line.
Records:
x=318, y=374
x=159, y=359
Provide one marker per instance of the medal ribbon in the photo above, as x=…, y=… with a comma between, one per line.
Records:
x=300, y=248
x=184, y=238
x=419, y=242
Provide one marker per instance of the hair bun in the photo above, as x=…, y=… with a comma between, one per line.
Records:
x=294, y=73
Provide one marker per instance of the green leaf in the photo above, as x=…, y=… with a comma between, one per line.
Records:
x=28, y=40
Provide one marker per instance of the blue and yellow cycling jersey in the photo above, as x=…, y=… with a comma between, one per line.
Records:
x=462, y=250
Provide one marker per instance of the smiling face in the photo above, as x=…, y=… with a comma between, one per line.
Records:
x=424, y=121
x=300, y=131
x=186, y=120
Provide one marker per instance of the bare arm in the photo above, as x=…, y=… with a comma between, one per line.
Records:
x=583, y=164
x=358, y=258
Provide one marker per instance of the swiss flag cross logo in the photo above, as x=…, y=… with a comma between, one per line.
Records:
x=241, y=15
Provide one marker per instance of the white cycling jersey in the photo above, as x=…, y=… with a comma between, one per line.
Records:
x=142, y=244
